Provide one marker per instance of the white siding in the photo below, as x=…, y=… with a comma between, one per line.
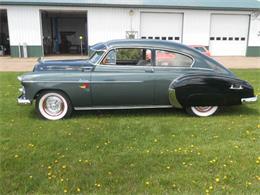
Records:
x=24, y=25
x=196, y=27
x=254, y=33
x=110, y=23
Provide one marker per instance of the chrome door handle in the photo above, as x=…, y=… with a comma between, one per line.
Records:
x=150, y=70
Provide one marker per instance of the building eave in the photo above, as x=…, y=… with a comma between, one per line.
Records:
x=130, y=6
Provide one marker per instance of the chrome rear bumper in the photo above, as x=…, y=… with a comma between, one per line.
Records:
x=249, y=100
x=22, y=100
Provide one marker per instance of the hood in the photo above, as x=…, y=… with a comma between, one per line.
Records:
x=62, y=65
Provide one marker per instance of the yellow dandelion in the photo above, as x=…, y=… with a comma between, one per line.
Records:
x=258, y=158
x=174, y=185
x=86, y=161
x=98, y=185
x=207, y=191
x=225, y=177
x=65, y=190
x=109, y=173
x=56, y=161
x=168, y=167
x=78, y=189
x=155, y=140
x=147, y=151
x=49, y=173
x=80, y=160
x=211, y=187
x=257, y=161
x=236, y=146
x=217, y=179
x=49, y=177
x=30, y=176
x=258, y=126
x=64, y=166
x=16, y=156
x=61, y=179
x=49, y=167
x=69, y=133
x=147, y=183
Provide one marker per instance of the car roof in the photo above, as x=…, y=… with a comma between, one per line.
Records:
x=144, y=43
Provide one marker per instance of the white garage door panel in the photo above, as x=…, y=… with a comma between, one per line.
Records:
x=229, y=35
x=165, y=26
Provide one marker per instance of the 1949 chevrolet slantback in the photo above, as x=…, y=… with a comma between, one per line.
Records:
x=126, y=74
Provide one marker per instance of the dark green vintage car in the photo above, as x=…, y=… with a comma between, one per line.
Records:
x=131, y=74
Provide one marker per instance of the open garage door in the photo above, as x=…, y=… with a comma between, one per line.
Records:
x=4, y=34
x=64, y=32
x=163, y=26
x=228, y=35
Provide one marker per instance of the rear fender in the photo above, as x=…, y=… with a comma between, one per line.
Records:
x=208, y=90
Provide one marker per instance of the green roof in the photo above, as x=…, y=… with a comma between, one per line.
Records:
x=185, y=4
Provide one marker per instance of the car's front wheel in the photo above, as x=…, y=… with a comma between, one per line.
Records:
x=202, y=111
x=53, y=105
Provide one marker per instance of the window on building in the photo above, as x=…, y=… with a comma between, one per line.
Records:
x=129, y=56
x=172, y=59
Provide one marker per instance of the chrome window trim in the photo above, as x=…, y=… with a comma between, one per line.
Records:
x=147, y=47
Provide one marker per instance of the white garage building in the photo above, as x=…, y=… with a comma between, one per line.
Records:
x=47, y=27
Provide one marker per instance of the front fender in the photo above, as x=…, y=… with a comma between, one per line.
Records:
x=208, y=90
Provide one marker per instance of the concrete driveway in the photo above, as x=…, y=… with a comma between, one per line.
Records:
x=26, y=64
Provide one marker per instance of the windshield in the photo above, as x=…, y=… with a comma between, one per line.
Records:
x=95, y=57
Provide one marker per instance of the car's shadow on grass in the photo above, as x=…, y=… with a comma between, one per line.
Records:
x=226, y=111
x=163, y=112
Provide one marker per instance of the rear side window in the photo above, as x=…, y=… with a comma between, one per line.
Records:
x=172, y=59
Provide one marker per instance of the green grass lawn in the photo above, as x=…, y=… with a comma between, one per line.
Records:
x=153, y=151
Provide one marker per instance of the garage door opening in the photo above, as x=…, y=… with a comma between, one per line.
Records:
x=64, y=33
x=4, y=34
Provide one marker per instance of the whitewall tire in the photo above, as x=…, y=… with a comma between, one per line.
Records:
x=53, y=105
x=202, y=111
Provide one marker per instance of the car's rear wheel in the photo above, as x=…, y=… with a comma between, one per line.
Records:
x=53, y=105
x=202, y=111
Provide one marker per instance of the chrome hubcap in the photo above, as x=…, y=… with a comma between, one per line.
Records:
x=203, y=108
x=53, y=105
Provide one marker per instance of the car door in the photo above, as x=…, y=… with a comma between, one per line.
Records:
x=168, y=66
x=122, y=79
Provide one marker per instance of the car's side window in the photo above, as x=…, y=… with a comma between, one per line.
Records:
x=172, y=59
x=128, y=56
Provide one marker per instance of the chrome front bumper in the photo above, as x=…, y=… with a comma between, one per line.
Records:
x=249, y=100
x=22, y=100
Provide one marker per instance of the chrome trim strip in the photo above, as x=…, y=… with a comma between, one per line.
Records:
x=83, y=81
x=236, y=88
x=96, y=82
x=19, y=78
x=249, y=100
x=121, y=107
x=173, y=99
x=80, y=81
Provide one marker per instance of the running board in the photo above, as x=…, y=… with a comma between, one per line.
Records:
x=121, y=107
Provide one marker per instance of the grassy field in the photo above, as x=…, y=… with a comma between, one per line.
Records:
x=131, y=151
